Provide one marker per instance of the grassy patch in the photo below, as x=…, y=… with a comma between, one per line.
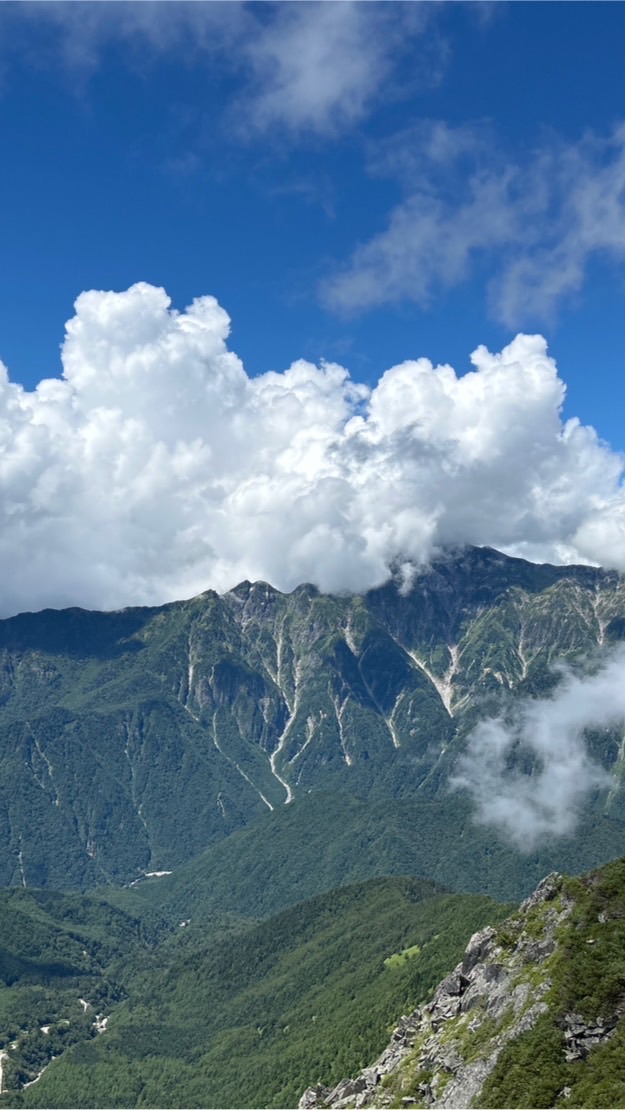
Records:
x=398, y=959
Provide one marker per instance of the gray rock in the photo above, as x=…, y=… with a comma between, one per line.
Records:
x=479, y=946
x=453, y=986
x=546, y=891
x=314, y=1096
x=581, y=1036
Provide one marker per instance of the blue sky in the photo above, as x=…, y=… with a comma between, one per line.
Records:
x=357, y=183
x=124, y=161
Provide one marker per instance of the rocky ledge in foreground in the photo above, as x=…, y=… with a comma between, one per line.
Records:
x=511, y=990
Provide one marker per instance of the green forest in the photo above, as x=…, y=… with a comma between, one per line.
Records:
x=231, y=1012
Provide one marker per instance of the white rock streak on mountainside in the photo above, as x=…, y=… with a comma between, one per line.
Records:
x=389, y=720
x=602, y=624
x=339, y=709
x=524, y=658
x=20, y=860
x=293, y=708
x=236, y=765
x=275, y=755
x=44, y=759
x=442, y=685
x=310, y=735
x=156, y=467
x=349, y=639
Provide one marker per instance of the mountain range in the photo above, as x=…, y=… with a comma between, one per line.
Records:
x=232, y=842
x=131, y=741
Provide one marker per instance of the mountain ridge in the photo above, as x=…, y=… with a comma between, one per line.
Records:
x=140, y=737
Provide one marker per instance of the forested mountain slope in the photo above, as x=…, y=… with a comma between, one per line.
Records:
x=325, y=840
x=62, y=959
x=223, y=1012
x=236, y=1013
x=533, y=1015
x=131, y=741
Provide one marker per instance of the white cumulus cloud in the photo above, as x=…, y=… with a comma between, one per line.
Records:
x=527, y=808
x=157, y=468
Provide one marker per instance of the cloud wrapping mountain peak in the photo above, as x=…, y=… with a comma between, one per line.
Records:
x=156, y=467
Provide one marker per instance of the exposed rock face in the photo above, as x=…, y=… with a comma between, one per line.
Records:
x=440, y=1055
x=581, y=1036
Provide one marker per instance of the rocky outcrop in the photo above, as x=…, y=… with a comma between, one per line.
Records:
x=358, y=1091
x=441, y=1054
x=581, y=1036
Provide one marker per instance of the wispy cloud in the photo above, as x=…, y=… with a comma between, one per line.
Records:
x=537, y=223
x=527, y=807
x=579, y=215
x=72, y=37
x=157, y=467
x=319, y=67
x=300, y=66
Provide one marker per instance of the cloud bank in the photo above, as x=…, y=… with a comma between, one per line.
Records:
x=157, y=468
x=527, y=808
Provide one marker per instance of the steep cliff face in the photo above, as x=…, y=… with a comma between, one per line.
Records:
x=130, y=741
x=531, y=1016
